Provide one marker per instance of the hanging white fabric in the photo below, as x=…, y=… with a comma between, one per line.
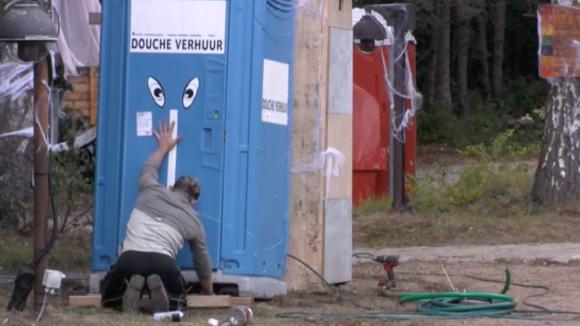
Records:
x=78, y=41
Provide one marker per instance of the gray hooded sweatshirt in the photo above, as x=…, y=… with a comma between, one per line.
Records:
x=162, y=220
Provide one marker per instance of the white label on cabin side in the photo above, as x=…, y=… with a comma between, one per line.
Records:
x=275, y=92
x=178, y=26
x=144, y=123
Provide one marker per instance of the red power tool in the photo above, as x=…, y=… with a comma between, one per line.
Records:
x=389, y=263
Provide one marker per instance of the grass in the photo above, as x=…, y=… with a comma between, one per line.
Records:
x=485, y=188
x=464, y=229
x=373, y=206
x=71, y=252
x=485, y=203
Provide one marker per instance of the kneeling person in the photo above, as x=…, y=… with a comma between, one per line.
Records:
x=158, y=226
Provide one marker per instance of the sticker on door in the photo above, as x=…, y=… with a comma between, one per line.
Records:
x=275, y=92
x=177, y=26
x=144, y=123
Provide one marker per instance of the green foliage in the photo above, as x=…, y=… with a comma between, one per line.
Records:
x=72, y=176
x=372, y=206
x=522, y=96
x=479, y=188
x=488, y=127
x=505, y=145
x=70, y=253
x=523, y=90
x=441, y=125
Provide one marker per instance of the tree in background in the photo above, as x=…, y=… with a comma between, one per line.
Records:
x=557, y=177
x=462, y=12
x=476, y=66
x=443, y=53
x=498, y=47
x=481, y=46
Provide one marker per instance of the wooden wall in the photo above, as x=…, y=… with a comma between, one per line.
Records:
x=82, y=98
x=316, y=128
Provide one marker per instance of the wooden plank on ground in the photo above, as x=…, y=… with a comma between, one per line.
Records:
x=91, y=300
x=241, y=301
x=193, y=301
x=216, y=301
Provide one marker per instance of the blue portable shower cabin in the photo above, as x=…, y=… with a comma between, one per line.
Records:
x=222, y=70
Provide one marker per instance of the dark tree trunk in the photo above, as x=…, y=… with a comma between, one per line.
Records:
x=462, y=53
x=429, y=87
x=483, y=52
x=498, y=48
x=558, y=174
x=442, y=87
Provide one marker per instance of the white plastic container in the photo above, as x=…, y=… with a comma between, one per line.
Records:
x=168, y=315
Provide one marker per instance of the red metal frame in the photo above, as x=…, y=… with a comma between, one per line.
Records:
x=371, y=126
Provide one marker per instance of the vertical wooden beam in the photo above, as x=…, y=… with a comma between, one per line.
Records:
x=93, y=95
x=41, y=170
x=310, y=137
x=306, y=213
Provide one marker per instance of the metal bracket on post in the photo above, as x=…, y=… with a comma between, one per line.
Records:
x=402, y=17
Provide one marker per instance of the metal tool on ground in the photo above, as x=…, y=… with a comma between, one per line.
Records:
x=389, y=263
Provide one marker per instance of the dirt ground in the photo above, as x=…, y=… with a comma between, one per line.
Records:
x=416, y=274
x=362, y=295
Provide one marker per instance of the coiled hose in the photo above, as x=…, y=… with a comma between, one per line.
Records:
x=463, y=304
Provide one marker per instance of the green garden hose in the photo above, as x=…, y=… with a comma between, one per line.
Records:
x=463, y=304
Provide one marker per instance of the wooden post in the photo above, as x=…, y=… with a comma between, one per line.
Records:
x=41, y=172
x=306, y=210
x=93, y=95
x=312, y=135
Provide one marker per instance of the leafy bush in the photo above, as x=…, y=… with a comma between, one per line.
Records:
x=481, y=187
x=523, y=96
x=441, y=125
x=372, y=206
x=504, y=145
x=519, y=109
x=72, y=176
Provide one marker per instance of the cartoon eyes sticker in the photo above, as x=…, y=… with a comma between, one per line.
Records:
x=156, y=91
x=190, y=92
x=158, y=94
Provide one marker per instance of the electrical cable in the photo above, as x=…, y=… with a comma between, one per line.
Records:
x=440, y=306
x=52, y=209
x=331, y=287
x=9, y=5
x=446, y=305
x=26, y=274
x=41, y=312
x=540, y=309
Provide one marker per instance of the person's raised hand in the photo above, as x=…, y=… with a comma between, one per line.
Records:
x=164, y=136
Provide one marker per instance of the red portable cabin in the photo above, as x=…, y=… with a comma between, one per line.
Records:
x=371, y=113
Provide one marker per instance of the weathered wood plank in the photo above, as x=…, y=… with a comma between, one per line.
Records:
x=93, y=95
x=217, y=301
x=309, y=112
x=90, y=300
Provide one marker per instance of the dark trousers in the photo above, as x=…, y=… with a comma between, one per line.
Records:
x=142, y=263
